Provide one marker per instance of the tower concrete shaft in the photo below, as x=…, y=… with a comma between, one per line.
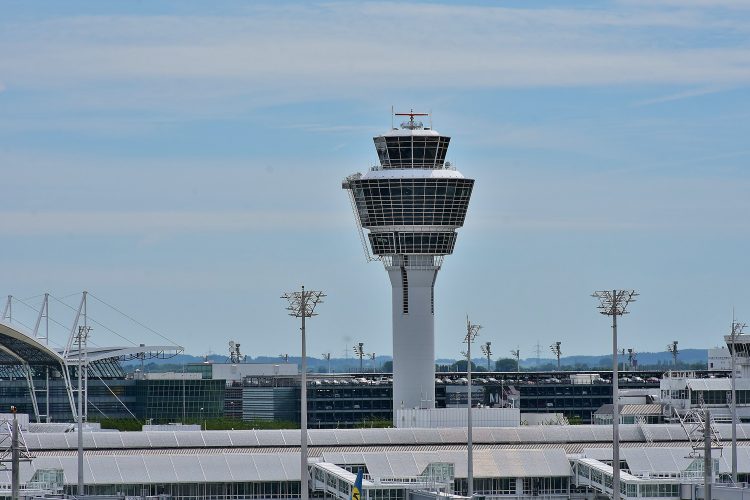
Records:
x=413, y=336
x=411, y=205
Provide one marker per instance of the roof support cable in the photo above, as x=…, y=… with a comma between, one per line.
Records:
x=123, y=337
x=118, y=399
x=134, y=320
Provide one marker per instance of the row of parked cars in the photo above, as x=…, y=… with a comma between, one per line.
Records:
x=548, y=380
x=352, y=381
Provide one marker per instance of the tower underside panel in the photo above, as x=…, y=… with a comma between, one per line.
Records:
x=432, y=243
x=413, y=337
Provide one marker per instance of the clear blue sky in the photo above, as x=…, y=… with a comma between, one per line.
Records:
x=182, y=160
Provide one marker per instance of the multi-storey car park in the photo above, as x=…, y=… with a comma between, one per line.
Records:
x=411, y=204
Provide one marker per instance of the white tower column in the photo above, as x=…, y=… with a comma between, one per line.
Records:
x=413, y=336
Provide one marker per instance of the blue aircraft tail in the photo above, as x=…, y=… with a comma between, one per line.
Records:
x=357, y=489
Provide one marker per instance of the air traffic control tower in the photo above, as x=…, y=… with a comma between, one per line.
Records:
x=411, y=205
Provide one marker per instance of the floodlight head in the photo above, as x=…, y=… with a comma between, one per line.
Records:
x=614, y=302
x=472, y=331
x=303, y=303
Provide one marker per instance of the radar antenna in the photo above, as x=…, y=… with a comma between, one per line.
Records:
x=411, y=124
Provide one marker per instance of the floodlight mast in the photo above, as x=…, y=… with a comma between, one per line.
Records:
x=736, y=330
x=302, y=305
x=516, y=353
x=487, y=351
x=672, y=349
x=614, y=303
x=471, y=333
x=555, y=348
x=359, y=351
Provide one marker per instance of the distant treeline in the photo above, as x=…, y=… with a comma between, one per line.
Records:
x=689, y=359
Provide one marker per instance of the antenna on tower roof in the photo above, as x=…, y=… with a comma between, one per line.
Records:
x=411, y=124
x=392, y=127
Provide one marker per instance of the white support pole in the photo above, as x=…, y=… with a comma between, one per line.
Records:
x=734, y=402
x=80, y=415
x=469, y=444
x=304, y=489
x=615, y=412
x=32, y=390
x=74, y=327
x=8, y=310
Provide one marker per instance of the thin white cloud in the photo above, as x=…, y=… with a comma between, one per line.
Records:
x=345, y=50
x=687, y=94
x=163, y=223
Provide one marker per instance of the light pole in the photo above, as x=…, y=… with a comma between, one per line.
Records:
x=327, y=357
x=736, y=330
x=471, y=333
x=359, y=351
x=487, y=351
x=632, y=358
x=672, y=348
x=614, y=303
x=555, y=348
x=516, y=353
x=302, y=305
x=81, y=338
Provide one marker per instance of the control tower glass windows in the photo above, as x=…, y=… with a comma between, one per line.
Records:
x=412, y=151
x=410, y=202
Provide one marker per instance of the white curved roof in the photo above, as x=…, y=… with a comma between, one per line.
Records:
x=17, y=347
x=128, y=353
x=412, y=173
x=549, y=435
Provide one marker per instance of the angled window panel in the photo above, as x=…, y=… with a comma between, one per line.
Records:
x=72, y=438
x=291, y=437
x=134, y=468
x=215, y=468
x=162, y=439
x=105, y=470
x=69, y=464
x=107, y=440
x=188, y=468
x=160, y=468
x=270, y=467
x=323, y=437
x=426, y=436
x=244, y=438
x=453, y=435
x=378, y=464
x=32, y=441
x=190, y=439
x=242, y=467
x=290, y=464
x=217, y=439
x=271, y=438
x=135, y=440
x=377, y=436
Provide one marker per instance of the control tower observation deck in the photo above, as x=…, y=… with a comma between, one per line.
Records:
x=411, y=205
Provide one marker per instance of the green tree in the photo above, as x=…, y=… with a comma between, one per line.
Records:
x=460, y=366
x=505, y=365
